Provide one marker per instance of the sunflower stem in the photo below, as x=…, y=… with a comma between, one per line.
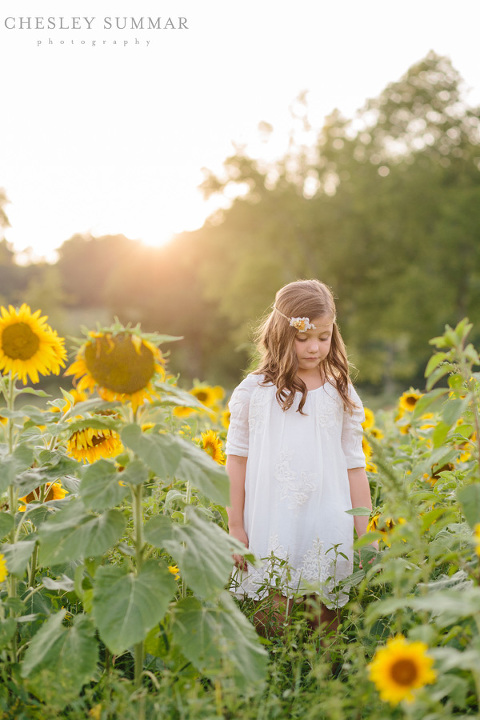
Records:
x=137, y=493
x=13, y=499
x=33, y=566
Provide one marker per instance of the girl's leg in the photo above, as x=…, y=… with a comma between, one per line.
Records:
x=322, y=620
x=272, y=614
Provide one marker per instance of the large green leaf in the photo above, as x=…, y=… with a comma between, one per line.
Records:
x=12, y=465
x=447, y=607
x=17, y=556
x=197, y=467
x=100, y=487
x=219, y=639
x=72, y=534
x=126, y=606
x=6, y=523
x=135, y=473
x=202, y=550
x=160, y=452
x=469, y=498
x=60, y=660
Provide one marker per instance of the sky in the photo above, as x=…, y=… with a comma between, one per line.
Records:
x=106, y=130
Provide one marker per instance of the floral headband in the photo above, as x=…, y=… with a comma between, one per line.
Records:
x=299, y=323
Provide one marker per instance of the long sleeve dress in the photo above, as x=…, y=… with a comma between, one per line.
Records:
x=296, y=488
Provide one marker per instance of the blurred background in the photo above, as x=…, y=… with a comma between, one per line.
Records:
x=380, y=201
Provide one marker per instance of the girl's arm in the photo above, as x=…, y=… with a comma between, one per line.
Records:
x=236, y=468
x=360, y=496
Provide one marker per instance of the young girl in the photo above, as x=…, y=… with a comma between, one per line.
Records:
x=294, y=456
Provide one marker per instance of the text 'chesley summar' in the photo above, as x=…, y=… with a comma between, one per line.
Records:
x=93, y=23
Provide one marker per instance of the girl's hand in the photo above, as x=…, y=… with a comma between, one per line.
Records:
x=239, y=534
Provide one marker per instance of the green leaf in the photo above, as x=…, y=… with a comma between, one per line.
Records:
x=432, y=401
x=202, y=550
x=440, y=433
x=219, y=640
x=160, y=452
x=71, y=534
x=7, y=629
x=438, y=374
x=6, y=524
x=32, y=391
x=12, y=465
x=434, y=362
x=469, y=498
x=64, y=584
x=17, y=556
x=359, y=511
x=135, y=473
x=127, y=606
x=179, y=397
x=100, y=488
x=159, y=530
x=453, y=410
x=60, y=660
x=203, y=473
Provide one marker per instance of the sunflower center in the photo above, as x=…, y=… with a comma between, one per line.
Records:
x=19, y=342
x=404, y=672
x=117, y=365
x=201, y=395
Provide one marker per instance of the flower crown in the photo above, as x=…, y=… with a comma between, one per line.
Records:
x=299, y=323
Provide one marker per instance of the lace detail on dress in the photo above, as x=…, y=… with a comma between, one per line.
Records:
x=317, y=571
x=329, y=409
x=296, y=488
x=258, y=401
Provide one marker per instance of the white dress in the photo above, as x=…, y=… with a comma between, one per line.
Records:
x=296, y=488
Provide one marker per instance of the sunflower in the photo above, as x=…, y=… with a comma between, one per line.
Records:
x=369, y=419
x=28, y=346
x=476, y=537
x=53, y=491
x=120, y=366
x=376, y=433
x=208, y=395
x=399, y=668
x=383, y=525
x=182, y=412
x=212, y=444
x=225, y=419
x=174, y=570
x=3, y=568
x=427, y=417
x=408, y=401
x=92, y=444
x=367, y=451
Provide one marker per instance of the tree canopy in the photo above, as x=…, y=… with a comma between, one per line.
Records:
x=383, y=207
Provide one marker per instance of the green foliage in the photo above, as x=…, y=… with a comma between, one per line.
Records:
x=105, y=585
x=127, y=605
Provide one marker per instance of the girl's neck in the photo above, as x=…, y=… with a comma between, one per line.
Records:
x=313, y=378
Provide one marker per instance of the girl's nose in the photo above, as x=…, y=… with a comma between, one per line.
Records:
x=313, y=346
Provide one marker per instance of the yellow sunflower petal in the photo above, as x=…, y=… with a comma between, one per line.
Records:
x=400, y=668
x=28, y=346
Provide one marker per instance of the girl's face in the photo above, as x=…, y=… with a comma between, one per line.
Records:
x=313, y=346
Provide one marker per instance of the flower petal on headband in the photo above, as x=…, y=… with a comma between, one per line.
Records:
x=302, y=324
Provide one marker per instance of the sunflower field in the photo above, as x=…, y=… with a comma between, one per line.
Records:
x=115, y=558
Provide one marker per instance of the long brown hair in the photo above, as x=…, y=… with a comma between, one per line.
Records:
x=276, y=343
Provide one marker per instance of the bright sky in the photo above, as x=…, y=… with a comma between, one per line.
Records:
x=111, y=138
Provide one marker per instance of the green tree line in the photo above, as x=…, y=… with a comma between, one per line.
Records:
x=384, y=207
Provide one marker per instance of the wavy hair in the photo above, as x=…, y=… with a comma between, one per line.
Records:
x=275, y=339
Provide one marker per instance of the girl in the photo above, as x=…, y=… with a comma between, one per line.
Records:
x=295, y=458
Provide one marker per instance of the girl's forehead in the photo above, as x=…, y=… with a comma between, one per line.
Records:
x=325, y=322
